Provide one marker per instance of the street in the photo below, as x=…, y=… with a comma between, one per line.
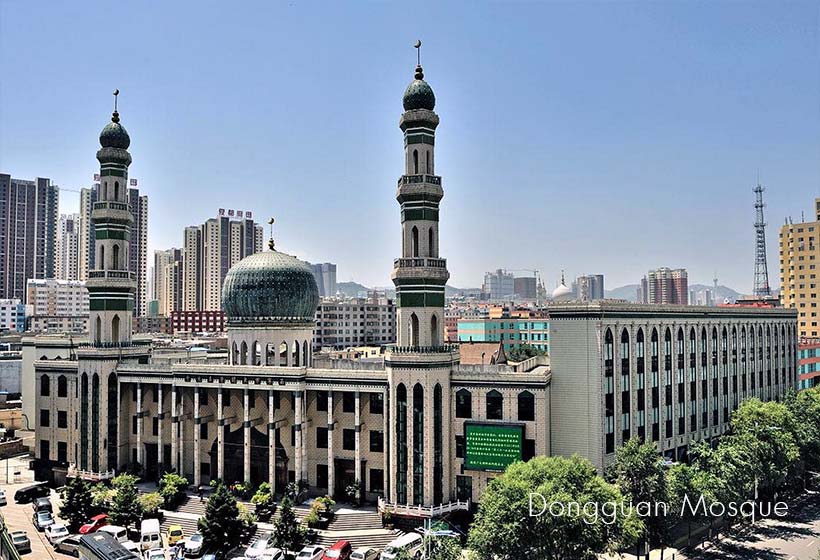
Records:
x=18, y=517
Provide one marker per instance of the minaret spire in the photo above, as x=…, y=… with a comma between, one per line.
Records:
x=271, y=244
x=115, y=117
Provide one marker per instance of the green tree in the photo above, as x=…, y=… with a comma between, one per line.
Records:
x=804, y=407
x=443, y=548
x=172, y=488
x=263, y=500
x=102, y=495
x=523, y=352
x=508, y=524
x=126, y=507
x=639, y=472
x=288, y=532
x=78, y=503
x=151, y=502
x=221, y=526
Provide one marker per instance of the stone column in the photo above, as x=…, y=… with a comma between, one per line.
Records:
x=331, y=471
x=197, y=420
x=181, y=431
x=160, y=418
x=357, y=424
x=220, y=437
x=246, y=425
x=387, y=443
x=297, y=410
x=174, y=431
x=271, y=444
x=120, y=440
x=139, y=425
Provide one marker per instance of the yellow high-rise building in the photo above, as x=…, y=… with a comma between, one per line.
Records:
x=799, y=260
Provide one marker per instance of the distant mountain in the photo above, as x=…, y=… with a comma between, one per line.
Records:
x=630, y=292
x=351, y=289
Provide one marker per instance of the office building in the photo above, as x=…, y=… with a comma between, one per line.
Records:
x=28, y=233
x=799, y=264
x=525, y=287
x=325, y=275
x=512, y=329
x=56, y=306
x=589, y=287
x=85, y=232
x=355, y=322
x=12, y=316
x=665, y=285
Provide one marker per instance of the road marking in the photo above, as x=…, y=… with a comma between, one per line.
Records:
x=811, y=543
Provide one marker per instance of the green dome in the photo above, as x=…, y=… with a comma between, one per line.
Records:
x=419, y=94
x=114, y=135
x=270, y=287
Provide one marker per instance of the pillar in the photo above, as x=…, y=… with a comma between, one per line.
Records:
x=160, y=418
x=197, y=420
x=174, y=431
x=220, y=437
x=357, y=424
x=181, y=431
x=387, y=443
x=246, y=425
x=271, y=444
x=297, y=422
x=139, y=425
x=331, y=471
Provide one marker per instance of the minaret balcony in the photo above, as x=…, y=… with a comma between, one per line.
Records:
x=118, y=278
x=419, y=179
x=421, y=268
x=111, y=211
x=420, y=262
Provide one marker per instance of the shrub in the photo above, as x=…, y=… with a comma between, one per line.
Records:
x=172, y=489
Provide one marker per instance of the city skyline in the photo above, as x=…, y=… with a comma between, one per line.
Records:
x=683, y=145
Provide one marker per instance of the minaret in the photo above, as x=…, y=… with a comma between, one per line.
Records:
x=112, y=286
x=420, y=275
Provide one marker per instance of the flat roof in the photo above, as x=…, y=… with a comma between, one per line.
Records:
x=602, y=308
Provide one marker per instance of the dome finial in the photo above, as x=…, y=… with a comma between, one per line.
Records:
x=116, y=116
x=419, y=72
x=270, y=241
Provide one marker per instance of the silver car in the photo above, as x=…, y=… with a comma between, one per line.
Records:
x=42, y=519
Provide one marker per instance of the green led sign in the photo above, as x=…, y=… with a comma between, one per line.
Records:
x=491, y=447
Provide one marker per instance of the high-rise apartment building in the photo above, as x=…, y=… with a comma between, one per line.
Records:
x=28, y=232
x=589, y=287
x=325, y=275
x=66, y=265
x=799, y=262
x=167, y=281
x=665, y=285
x=210, y=250
x=57, y=305
x=85, y=233
x=499, y=284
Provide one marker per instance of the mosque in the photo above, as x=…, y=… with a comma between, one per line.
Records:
x=419, y=432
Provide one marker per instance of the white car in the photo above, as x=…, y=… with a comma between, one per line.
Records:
x=273, y=554
x=193, y=546
x=55, y=533
x=259, y=546
x=311, y=553
x=155, y=554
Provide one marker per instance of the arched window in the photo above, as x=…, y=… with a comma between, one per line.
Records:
x=243, y=353
x=667, y=342
x=45, y=386
x=115, y=261
x=283, y=353
x=431, y=243
x=257, y=354
x=414, y=241
x=115, y=328
x=101, y=264
x=234, y=354
x=62, y=386
x=434, y=339
x=296, y=351
x=116, y=190
x=464, y=404
x=305, y=354
x=429, y=160
x=654, y=343
x=98, y=331
x=95, y=423
x=438, y=446
x=414, y=330
x=270, y=355
x=526, y=406
x=418, y=444
x=692, y=342
x=495, y=405
x=415, y=161
x=401, y=440
x=609, y=351
x=624, y=344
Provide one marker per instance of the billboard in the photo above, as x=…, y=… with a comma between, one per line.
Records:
x=491, y=447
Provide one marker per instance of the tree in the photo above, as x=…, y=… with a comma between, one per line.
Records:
x=639, y=472
x=443, y=548
x=151, y=502
x=126, y=507
x=687, y=483
x=523, y=352
x=172, y=488
x=221, y=525
x=289, y=533
x=546, y=508
x=78, y=503
x=102, y=496
x=263, y=500
x=804, y=407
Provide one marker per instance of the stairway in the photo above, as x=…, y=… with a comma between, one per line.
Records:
x=355, y=521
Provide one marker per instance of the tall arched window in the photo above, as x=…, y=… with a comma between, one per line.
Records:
x=429, y=160
x=243, y=353
x=418, y=444
x=401, y=443
x=257, y=354
x=112, y=420
x=116, y=190
x=414, y=241
x=98, y=331
x=296, y=351
x=115, y=328
x=526, y=406
x=95, y=423
x=305, y=354
x=45, y=386
x=438, y=446
x=431, y=243
x=434, y=338
x=62, y=386
x=283, y=353
x=101, y=264
x=115, y=261
x=415, y=161
x=495, y=405
x=84, y=422
x=414, y=330
x=234, y=354
x=464, y=404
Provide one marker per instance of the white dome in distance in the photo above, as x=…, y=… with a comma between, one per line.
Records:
x=561, y=291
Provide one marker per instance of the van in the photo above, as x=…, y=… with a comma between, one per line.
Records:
x=30, y=493
x=410, y=543
x=119, y=533
x=41, y=504
x=150, y=537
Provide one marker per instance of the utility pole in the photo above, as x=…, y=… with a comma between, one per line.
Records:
x=761, y=284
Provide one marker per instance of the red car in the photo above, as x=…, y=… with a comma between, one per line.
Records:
x=94, y=523
x=341, y=550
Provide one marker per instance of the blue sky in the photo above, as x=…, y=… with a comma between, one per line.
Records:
x=601, y=137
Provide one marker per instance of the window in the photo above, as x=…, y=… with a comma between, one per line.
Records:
x=461, y=447
x=62, y=386
x=321, y=438
x=321, y=476
x=44, y=418
x=377, y=481
x=44, y=450
x=62, y=419
x=293, y=435
x=376, y=403
x=528, y=450
x=62, y=452
x=376, y=441
x=321, y=401
x=45, y=386
x=464, y=487
x=495, y=405
x=155, y=426
x=349, y=440
x=348, y=402
x=464, y=404
x=526, y=406
x=134, y=425
x=203, y=430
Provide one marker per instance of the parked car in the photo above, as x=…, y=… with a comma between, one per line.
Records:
x=193, y=546
x=41, y=504
x=365, y=553
x=42, y=519
x=341, y=550
x=3, y=498
x=94, y=523
x=259, y=545
x=175, y=534
x=273, y=554
x=21, y=541
x=29, y=493
x=410, y=543
x=69, y=545
x=150, y=536
x=312, y=552
x=155, y=554
x=120, y=534
x=56, y=532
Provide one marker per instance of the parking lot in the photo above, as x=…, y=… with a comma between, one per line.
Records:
x=18, y=518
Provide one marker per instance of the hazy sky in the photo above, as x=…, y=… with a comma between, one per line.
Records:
x=596, y=137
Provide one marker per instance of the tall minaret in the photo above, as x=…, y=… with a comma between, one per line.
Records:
x=112, y=286
x=420, y=275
